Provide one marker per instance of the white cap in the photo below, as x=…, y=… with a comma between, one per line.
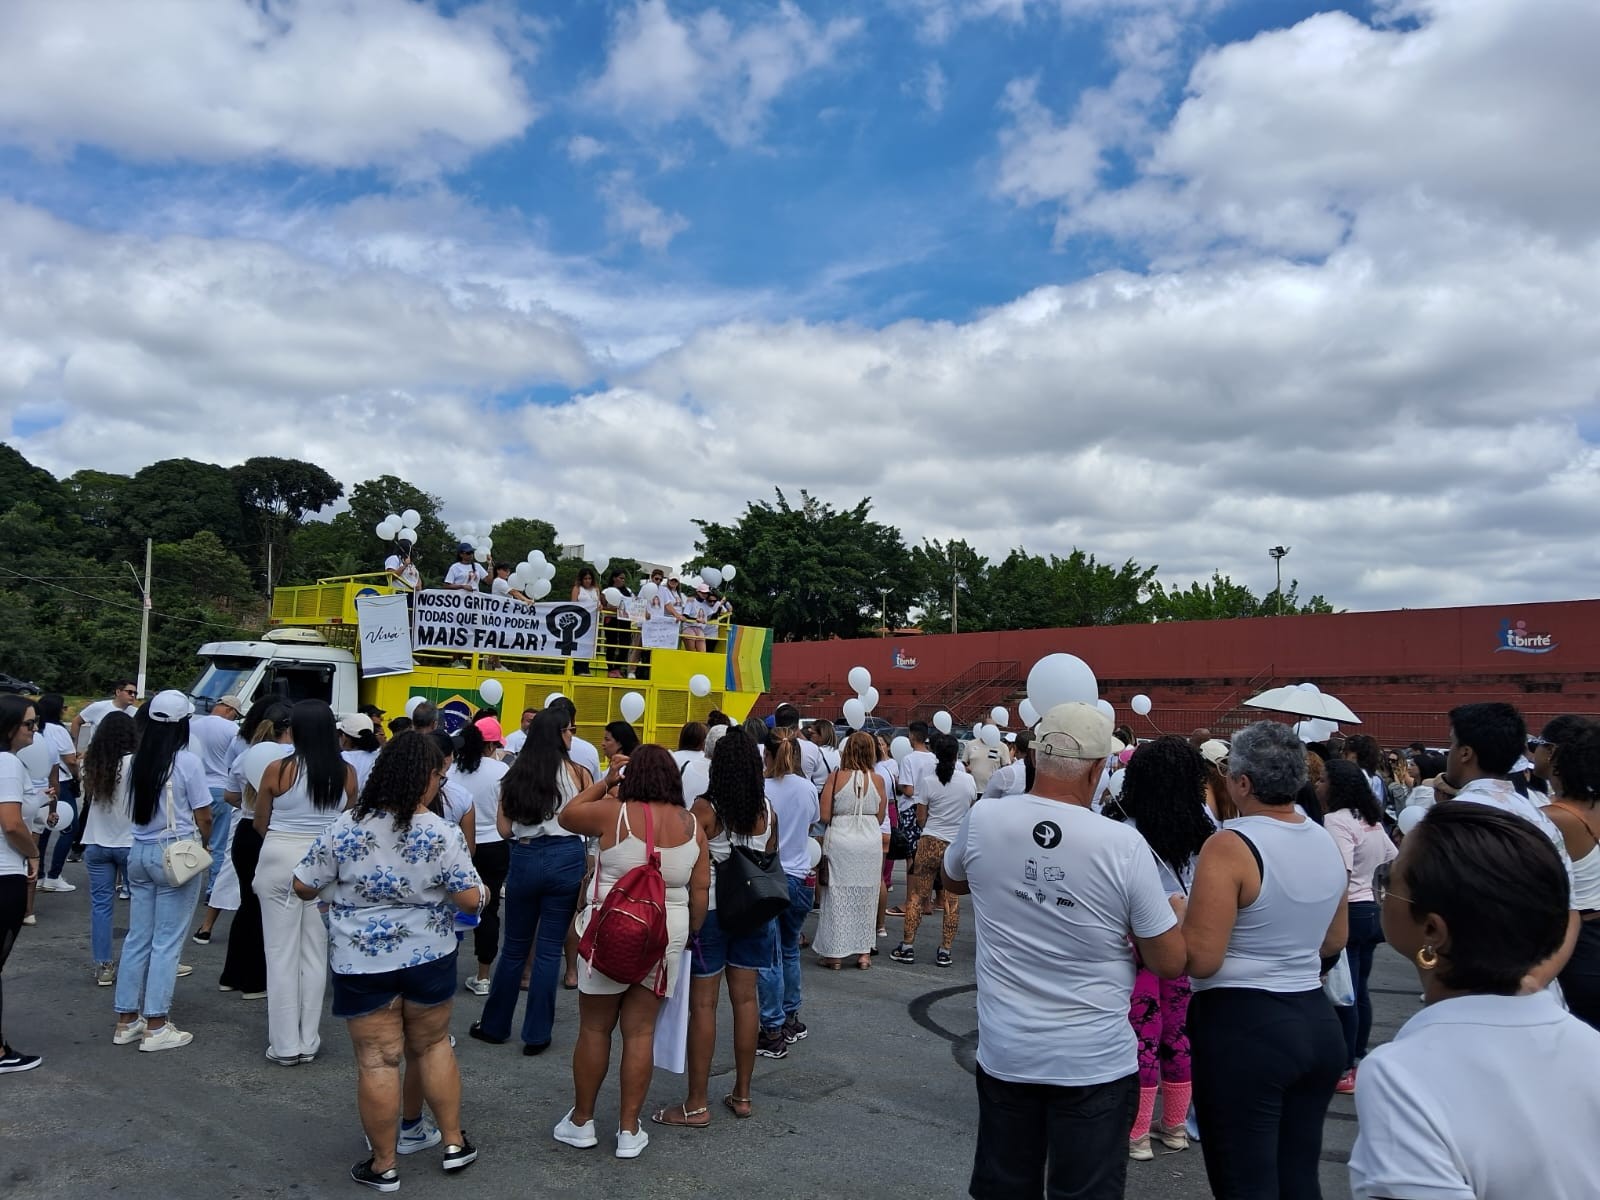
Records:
x=1075, y=730
x=355, y=724
x=170, y=707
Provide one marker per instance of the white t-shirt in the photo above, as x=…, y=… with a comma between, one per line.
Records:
x=484, y=787
x=914, y=765
x=111, y=824
x=947, y=803
x=189, y=792
x=213, y=740
x=796, y=807
x=696, y=778
x=39, y=758
x=500, y=587
x=456, y=801
x=248, y=769
x=1480, y=1098
x=90, y=716
x=362, y=761
x=468, y=573
x=60, y=739
x=410, y=577
x=1007, y=781
x=515, y=740
x=586, y=756
x=1498, y=793
x=1055, y=892
x=15, y=788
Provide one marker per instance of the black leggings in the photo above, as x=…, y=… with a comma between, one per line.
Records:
x=245, y=967
x=13, y=905
x=1580, y=978
x=493, y=860
x=1265, y=1066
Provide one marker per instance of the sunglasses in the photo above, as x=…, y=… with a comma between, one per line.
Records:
x=30, y=724
x=1380, y=885
x=1535, y=742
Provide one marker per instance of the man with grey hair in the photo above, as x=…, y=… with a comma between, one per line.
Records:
x=1056, y=893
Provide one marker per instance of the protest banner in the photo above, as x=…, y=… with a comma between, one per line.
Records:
x=659, y=633
x=476, y=623
x=384, y=625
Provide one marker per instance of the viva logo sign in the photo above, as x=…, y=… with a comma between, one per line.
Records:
x=903, y=661
x=1517, y=639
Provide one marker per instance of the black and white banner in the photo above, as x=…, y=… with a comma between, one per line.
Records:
x=478, y=623
x=384, y=626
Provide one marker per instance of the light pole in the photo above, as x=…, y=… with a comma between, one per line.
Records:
x=1277, y=553
x=883, y=612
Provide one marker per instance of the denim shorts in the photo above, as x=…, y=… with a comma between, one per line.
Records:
x=425, y=985
x=715, y=949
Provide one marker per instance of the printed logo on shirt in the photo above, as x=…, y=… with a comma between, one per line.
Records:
x=1054, y=874
x=1047, y=834
x=1030, y=872
x=1065, y=902
x=1517, y=639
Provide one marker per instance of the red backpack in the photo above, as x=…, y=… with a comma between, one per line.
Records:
x=626, y=939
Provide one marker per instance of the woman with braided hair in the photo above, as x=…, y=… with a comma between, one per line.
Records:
x=1164, y=796
x=732, y=812
x=397, y=873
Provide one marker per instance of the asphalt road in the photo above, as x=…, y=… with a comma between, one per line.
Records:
x=879, y=1099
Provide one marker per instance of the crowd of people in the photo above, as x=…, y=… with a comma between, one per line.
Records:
x=1173, y=939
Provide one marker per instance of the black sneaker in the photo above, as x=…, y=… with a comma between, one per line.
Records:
x=904, y=953
x=794, y=1031
x=14, y=1061
x=202, y=937
x=458, y=1157
x=772, y=1044
x=386, y=1181
x=942, y=959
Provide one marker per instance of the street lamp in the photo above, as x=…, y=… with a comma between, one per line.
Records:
x=883, y=612
x=1277, y=553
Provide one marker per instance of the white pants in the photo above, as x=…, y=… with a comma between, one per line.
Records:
x=297, y=949
x=225, y=891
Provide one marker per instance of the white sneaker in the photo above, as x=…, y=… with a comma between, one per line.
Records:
x=1139, y=1149
x=478, y=987
x=168, y=1037
x=424, y=1135
x=581, y=1136
x=185, y=970
x=631, y=1145
x=128, y=1033
x=56, y=885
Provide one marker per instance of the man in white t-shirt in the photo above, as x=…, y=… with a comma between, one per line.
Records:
x=579, y=751
x=124, y=696
x=213, y=739
x=1056, y=893
x=465, y=575
x=518, y=737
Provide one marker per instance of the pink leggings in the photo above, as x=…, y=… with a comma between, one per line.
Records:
x=1159, y=1013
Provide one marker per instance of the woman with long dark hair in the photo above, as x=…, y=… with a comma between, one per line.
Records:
x=943, y=797
x=1575, y=808
x=263, y=740
x=544, y=872
x=619, y=637
x=586, y=592
x=53, y=731
x=473, y=768
x=19, y=853
x=107, y=829
x=1355, y=821
x=393, y=949
x=619, y=738
x=733, y=812
x=170, y=799
x=1164, y=797
x=299, y=797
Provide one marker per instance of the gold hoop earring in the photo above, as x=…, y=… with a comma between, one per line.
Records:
x=1427, y=958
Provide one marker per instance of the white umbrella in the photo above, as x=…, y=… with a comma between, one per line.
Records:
x=1299, y=703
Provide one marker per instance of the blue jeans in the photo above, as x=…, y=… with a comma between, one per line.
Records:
x=63, y=835
x=103, y=863
x=158, y=921
x=780, y=985
x=221, y=823
x=1366, y=935
x=540, y=895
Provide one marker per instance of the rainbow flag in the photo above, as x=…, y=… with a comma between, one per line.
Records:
x=749, y=659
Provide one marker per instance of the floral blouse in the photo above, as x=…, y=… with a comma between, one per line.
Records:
x=391, y=905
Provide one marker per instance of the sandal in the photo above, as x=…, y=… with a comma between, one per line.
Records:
x=832, y=964
x=864, y=961
x=804, y=941
x=732, y=1103
x=686, y=1117
x=897, y=911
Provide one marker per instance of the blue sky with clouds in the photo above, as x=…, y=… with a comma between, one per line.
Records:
x=1175, y=279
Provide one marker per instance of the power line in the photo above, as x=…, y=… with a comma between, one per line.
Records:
x=115, y=603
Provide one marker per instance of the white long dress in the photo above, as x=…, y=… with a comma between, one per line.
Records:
x=847, y=925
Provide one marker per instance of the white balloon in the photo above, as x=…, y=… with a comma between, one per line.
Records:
x=411, y=705
x=492, y=692
x=485, y=543
x=539, y=589
x=899, y=748
x=712, y=576
x=407, y=536
x=1027, y=714
x=1061, y=679
x=648, y=591
x=383, y=531
x=1140, y=705
x=813, y=851
x=411, y=518
x=989, y=735
x=699, y=685
x=632, y=707
x=1105, y=707
x=728, y=573
x=855, y=713
x=481, y=554
x=860, y=679
x=393, y=519
x=999, y=717
x=552, y=698
x=942, y=721
x=548, y=570
x=612, y=596
x=869, y=699
x=1411, y=816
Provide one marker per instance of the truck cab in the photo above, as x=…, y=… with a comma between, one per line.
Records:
x=288, y=664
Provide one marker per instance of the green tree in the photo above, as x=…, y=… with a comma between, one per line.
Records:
x=324, y=549
x=937, y=570
x=807, y=571
x=175, y=499
x=374, y=499
x=1218, y=599
x=275, y=494
x=20, y=480
x=98, y=498
x=517, y=537
x=200, y=571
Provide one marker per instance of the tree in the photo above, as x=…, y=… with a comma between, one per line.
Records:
x=810, y=571
x=937, y=568
x=374, y=499
x=323, y=549
x=275, y=494
x=99, y=498
x=1290, y=602
x=1219, y=599
x=20, y=480
x=175, y=499
x=517, y=537
x=200, y=571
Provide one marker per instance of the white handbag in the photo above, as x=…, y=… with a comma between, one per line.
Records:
x=182, y=858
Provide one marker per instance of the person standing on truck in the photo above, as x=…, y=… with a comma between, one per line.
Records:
x=465, y=575
x=403, y=573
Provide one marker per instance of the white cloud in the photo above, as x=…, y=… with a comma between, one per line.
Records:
x=628, y=212
x=325, y=83
x=584, y=148
x=930, y=87
x=662, y=68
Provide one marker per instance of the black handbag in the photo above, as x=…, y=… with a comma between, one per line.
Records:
x=899, y=845
x=751, y=890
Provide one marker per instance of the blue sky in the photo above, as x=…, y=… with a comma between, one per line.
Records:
x=1169, y=279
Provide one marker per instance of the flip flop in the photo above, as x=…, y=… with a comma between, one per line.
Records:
x=863, y=962
x=832, y=964
x=663, y=1117
x=732, y=1102
x=895, y=912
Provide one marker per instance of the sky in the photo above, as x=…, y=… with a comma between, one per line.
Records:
x=1175, y=280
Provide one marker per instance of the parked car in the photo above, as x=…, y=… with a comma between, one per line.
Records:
x=873, y=725
x=11, y=685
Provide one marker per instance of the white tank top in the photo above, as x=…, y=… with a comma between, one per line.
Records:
x=1277, y=940
x=1586, y=874
x=721, y=845
x=293, y=811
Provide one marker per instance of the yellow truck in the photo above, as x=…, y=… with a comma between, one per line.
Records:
x=459, y=640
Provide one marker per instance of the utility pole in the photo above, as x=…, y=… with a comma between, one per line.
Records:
x=883, y=612
x=269, y=575
x=144, y=617
x=1277, y=554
